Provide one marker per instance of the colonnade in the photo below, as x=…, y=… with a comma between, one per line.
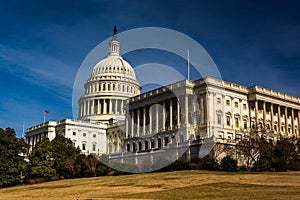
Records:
x=101, y=106
x=34, y=139
x=173, y=113
x=283, y=119
x=153, y=143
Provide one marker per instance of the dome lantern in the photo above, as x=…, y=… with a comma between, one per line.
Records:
x=114, y=45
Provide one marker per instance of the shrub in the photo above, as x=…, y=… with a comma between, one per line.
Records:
x=228, y=164
x=279, y=166
x=193, y=166
x=294, y=165
x=210, y=164
x=243, y=168
x=261, y=165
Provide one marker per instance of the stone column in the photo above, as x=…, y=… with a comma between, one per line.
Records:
x=293, y=122
x=122, y=107
x=272, y=117
x=144, y=120
x=79, y=110
x=171, y=113
x=93, y=107
x=194, y=112
x=201, y=110
x=207, y=113
x=138, y=123
x=256, y=113
x=186, y=109
x=110, y=106
x=286, y=120
x=116, y=106
x=164, y=116
x=279, y=119
x=100, y=106
x=298, y=122
x=104, y=106
x=241, y=122
x=126, y=126
x=264, y=114
x=150, y=120
x=84, y=108
x=156, y=117
x=178, y=113
x=132, y=124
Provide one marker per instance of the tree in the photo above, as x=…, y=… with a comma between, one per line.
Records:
x=12, y=153
x=42, y=161
x=64, y=156
x=249, y=148
x=91, y=164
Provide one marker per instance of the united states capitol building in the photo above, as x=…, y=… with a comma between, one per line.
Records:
x=114, y=118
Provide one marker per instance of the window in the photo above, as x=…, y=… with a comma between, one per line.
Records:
x=236, y=104
x=94, y=135
x=244, y=106
x=237, y=122
x=74, y=133
x=84, y=134
x=227, y=103
x=228, y=120
x=218, y=100
x=275, y=127
x=219, y=118
x=94, y=147
x=260, y=125
x=83, y=147
x=245, y=124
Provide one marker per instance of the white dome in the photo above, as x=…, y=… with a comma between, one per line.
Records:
x=111, y=83
x=113, y=65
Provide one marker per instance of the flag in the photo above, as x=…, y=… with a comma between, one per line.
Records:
x=46, y=112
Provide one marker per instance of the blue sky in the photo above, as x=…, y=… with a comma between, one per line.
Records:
x=43, y=43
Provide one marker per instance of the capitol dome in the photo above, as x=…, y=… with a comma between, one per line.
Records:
x=111, y=83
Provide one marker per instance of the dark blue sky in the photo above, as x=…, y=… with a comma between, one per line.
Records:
x=43, y=43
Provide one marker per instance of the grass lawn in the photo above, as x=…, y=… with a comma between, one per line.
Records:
x=166, y=185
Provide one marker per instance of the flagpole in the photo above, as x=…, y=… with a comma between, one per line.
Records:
x=44, y=117
x=23, y=134
x=188, y=57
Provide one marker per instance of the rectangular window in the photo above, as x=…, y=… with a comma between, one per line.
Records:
x=74, y=133
x=245, y=124
x=228, y=120
x=84, y=134
x=94, y=135
x=236, y=104
x=227, y=103
x=218, y=100
x=244, y=106
x=94, y=147
x=237, y=122
x=83, y=147
x=219, y=118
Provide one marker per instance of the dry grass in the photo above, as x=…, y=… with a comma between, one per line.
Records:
x=171, y=185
